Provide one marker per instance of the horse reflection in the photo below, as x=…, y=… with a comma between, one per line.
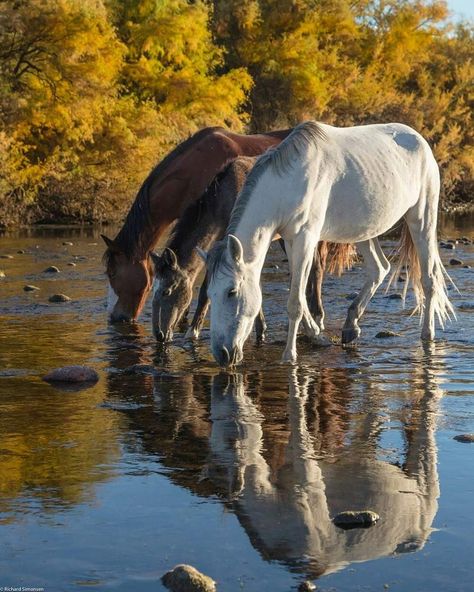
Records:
x=288, y=512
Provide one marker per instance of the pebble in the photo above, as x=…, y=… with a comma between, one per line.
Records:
x=449, y=246
x=395, y=296
x=6, y=256
x=2, y=274
x=59, y=298
x=186, y=578
x=466, y=267
x=354, y=518
x=71, y=264
x=72, y=374
x=67, y=244
x=21, y=251
x=51, y=269
x=30, y=288
x=306, y=586
x=385, y=334
x=455, y=261
x=466, y=438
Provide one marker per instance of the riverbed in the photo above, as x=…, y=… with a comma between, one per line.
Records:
x=168, y=459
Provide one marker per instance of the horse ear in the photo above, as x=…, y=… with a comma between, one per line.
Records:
x=110, y=243
x=169, y=257
x=235, y=249
x=202, y=254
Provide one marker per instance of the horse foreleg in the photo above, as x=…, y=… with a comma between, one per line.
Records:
x=200, y=314
x=377, y=268
x=300, y=256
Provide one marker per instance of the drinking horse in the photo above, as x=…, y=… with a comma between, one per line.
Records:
x=335, y=184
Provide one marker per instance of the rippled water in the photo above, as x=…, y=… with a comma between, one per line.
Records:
x=168, y=460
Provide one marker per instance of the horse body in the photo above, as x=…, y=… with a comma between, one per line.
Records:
x=180, y=179
x=342, y=185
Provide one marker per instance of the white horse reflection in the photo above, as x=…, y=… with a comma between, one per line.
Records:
x=288, y=513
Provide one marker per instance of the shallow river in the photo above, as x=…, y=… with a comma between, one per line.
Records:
x=167, y=460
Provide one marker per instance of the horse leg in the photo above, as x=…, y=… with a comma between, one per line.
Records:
x=314, y=286
x=377, y=268
x=260, y=327
x=301, y=253
x=183, y=322
x=200, y=314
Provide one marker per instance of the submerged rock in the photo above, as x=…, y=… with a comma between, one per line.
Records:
x=356, y=518
x=51, y=269
x=465, y=438
x=395, y=296
x=59, y=298
x=30, y=288
x=72, y=374
x=386, y=334
x=186, y=578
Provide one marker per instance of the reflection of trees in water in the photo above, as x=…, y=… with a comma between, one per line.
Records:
x=288, y=449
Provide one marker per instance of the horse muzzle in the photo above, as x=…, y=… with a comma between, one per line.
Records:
x=225, y=357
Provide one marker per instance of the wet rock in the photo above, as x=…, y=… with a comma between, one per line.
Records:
x=186, y=578
x=2, y=274
x=6, y=256
x=466, y=267
x=30, y=288
x=395, y=296
x=51, y=269
x=72, y=374
x=465, y=438
x=387, y=334
x=448, y=246
x=21, y=251
x=356, y=518
x=67, y=244
x=466, y=306
x=71, y=264
x=452, y=241
x=455, y=261
x=59, y=298
x=306, y=586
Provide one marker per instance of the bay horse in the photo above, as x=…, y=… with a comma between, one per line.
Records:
x=344, y=185
x=202, y=223
x=177, y=181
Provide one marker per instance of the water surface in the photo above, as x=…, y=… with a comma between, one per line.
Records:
x=168, y=460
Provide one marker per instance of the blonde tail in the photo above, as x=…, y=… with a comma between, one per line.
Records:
x=339, y=257
x=409, y=262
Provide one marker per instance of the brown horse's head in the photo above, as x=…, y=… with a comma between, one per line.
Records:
x=173, y=294
x=131, y=280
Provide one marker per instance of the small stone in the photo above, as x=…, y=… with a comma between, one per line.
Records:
x=71, y=264
x=395, y=296
x=466, y=267
x=2, y=274
x=51, y=269
x=275, y=266
x=306, y=586
x=72, y=374
x=449, y=246
x=67, y=244
x=21, y=251
x=455, y=261
x=452, y=241
x=465, y=438
x=186, y=578
x=30, y=288
x=386, y=334
x=6, y=256
x=59, y=298
x=356, y=518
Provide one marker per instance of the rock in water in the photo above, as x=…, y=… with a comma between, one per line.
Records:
x=59, y=298
x=72, y=374
x=465, y=438
x=386, y=334
x=186, y=578
x=455, y=261
x=355, y=518
x=30, y=288
x=51, y=269
x=395, y=296
x=2, y=274
x=6, y=256
x=71, y=264
x=306, y=586
x=67, y=244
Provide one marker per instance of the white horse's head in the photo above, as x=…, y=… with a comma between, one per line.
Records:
x=236, y=298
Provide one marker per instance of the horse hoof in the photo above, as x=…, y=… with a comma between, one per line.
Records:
x=322, y=341
x=288, y=357
x=350, y=335
x=192, y=334
x=260, y=339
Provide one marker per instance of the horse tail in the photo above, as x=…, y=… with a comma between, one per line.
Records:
x=409, y=262
x=339, y=257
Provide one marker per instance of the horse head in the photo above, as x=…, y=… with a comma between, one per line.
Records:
x=173, y=294
x=236, y=298
x=130, y=278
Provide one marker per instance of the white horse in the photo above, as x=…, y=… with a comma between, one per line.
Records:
x=346, y=185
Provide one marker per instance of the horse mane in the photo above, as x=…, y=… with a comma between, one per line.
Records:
x=280, y=159
x=130, y=239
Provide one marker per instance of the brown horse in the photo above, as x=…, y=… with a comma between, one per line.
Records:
x=177, y=181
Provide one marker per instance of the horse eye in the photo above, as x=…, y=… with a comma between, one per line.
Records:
x=232, y=292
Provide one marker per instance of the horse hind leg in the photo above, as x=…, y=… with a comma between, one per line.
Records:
x=377, y=267
x=315, y=283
